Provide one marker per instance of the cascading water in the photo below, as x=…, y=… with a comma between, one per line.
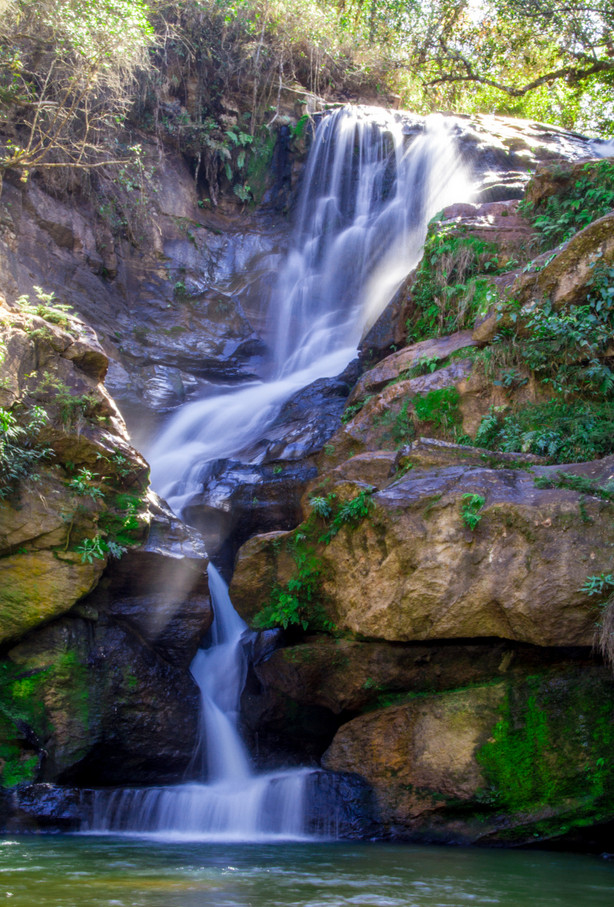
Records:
x=368, y=193
x=234, y=804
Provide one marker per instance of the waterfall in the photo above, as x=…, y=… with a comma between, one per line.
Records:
x=367, y=195
x=235, y=804
x=368, y=192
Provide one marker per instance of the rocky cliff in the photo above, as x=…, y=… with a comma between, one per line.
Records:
x=432, y=531
x=453, y=550
x=102, y=597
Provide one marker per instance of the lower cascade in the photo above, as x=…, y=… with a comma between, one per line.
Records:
x=369, y=190
x=235, y=804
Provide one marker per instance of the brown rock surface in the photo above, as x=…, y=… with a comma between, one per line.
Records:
x=54, y=363
x=413, y=570
x=498, y=762
x=420, y=754
x=345, y=675
x=564, y=277
x=390, y=368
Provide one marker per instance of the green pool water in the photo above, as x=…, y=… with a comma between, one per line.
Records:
x=120, y=872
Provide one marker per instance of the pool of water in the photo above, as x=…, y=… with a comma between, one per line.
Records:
x=62, y=871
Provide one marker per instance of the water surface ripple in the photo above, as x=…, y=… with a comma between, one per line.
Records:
x=67, y=871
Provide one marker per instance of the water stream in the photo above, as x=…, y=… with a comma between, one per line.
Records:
x=368, y=192
x=234, y=804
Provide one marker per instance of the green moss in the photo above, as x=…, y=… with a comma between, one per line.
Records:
x=432, y=500
x=439, y=407
x=552, y=744
x=20, y=706
x=396, y=426
x=68, y=675
x=567, y=351
x=258, y=168
x=29, y=699
x=581, y=484
x=130, y=680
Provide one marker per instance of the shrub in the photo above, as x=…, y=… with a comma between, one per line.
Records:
x=20, y=452
x=299, y=602
x=470, y=510
x=450, y=288
x=439, y=407
x=558, y=216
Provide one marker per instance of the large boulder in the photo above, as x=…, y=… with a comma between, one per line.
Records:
x=104, y=695
x=111, y=710
x=499, y=763
x=418, y=568
x=297, y=696
x=71, y=483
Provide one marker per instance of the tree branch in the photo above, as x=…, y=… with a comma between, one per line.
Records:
x=570, y=73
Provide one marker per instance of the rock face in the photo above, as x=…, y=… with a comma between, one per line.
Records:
x=414, y=570
x=496, y=763
x=298, y=696
x=115, y=702
x=69, y=474
x=462, y=588
x=162, y=292
x=94, y=679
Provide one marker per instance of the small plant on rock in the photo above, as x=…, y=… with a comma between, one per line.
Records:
x=19, y=450
x=470, y=510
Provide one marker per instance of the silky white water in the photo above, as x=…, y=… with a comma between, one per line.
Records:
x=234, y=804
x=367, y=195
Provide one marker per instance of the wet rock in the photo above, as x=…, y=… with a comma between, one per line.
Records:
x=104, y=689
x=45, y=807
x=160, y=590
x=413, y=753
x=298, y=696
x=117, y=702
x=114, y=710
x=387, y=333
x=388, y=419
x=504, y=145
x=242, y=498
x=309, y=418
x=341, y=805
x=374, y=468
x=172, y=301
x=499, y=223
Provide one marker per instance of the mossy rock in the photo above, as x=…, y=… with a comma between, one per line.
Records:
x=518, y=760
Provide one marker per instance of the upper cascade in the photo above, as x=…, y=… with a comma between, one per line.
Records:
x=368, y=193
x=371, y=184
